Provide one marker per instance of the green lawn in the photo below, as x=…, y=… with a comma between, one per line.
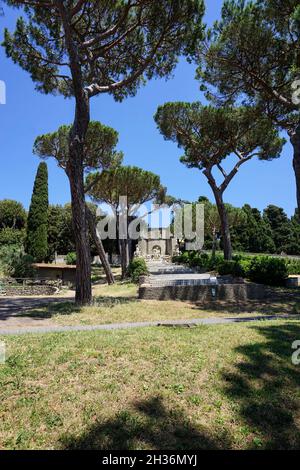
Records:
x=230, y=386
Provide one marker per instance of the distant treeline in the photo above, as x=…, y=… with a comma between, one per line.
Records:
x=271, y=231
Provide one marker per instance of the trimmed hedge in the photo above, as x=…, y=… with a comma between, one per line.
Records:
x=260, y=269
x=268, y=270
x=293, y=266
x=233, y=268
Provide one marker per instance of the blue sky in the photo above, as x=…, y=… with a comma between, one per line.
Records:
x=29, y=113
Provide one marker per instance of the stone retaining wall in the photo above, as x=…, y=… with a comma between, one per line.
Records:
x=204, y=293
x=27, y=290
x=12, y=287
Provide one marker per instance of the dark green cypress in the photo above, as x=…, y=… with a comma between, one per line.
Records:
x=37, y=222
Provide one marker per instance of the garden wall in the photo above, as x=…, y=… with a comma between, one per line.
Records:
x=204, y=293
x=10, y=287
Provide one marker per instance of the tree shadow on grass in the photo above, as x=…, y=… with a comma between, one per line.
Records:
x=148, y=425
x=40, y=309
x=266, y=387
x=276, y=305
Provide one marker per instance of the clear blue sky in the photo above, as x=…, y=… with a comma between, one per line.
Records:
x=29, y=113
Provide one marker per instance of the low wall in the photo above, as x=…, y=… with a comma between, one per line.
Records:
x=10, y=287
x=229, y=292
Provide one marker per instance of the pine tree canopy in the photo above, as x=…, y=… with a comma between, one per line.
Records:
x=111, y=46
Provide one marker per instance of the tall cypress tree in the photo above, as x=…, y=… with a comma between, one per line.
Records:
x=37, y=223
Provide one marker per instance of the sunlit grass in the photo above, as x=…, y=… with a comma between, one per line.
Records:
x=230, y=386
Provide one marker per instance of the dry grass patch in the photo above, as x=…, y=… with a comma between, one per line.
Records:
x=119, y=304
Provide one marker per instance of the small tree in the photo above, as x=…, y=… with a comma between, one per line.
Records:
x=137, y=185
x=12, y=215
x=208, y=135
x=81, y=48
x=36, y=243
x=12, y=223
x=99, y=153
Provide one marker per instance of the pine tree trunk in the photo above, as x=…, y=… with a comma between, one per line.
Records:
x=83, y=258
x=99, y=245
x=214, y=244
x=295, y=141
x=124, y=257
x=224, y=224
x=75, y=165
x=75, y=172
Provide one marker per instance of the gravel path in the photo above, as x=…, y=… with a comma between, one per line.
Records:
x=119, y=326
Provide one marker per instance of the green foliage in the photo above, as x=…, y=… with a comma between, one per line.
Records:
x=23, y=267
x=284, y=231
x=15, y=263
x=12, y=215
x=268, y=270
x=99, y=148
x=60, y=230
x=12, y=223
x=253, y=233
x=208, y=135
x=137, y=267
x=10, y=236
x=233, y=268
x=138, y=185
x=261, y=269
x=37, y=224
x=253, y=54
x=199, y=260
x=71, y=258
x=293, y=266
x=119, y=45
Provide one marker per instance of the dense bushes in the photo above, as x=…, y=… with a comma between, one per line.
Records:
x=261, y=269
x=293, y=266
x=11, y=236
x=233, y=268
x=137, y=268
x=268, y=270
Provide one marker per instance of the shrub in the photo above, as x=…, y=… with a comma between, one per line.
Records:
x=11, y=236
x=233, y=268
x=293, y=266
x=137, y=268
x=15, y=263
x=71, y=258
x=183, y=258
x=199, y=260
x=268, y=270
x=23, y=267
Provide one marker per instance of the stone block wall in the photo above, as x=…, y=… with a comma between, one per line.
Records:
x=204, y=293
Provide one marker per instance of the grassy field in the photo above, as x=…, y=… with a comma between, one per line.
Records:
x=219, y=387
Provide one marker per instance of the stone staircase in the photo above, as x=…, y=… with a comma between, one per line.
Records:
x=174, y=282
x=166, y=274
